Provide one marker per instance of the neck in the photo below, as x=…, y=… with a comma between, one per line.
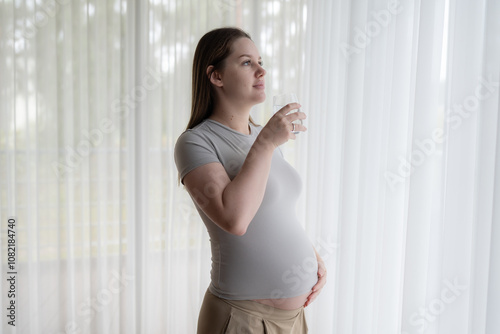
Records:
x=235, y=118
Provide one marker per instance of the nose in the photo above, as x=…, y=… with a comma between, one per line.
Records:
x=260, y=71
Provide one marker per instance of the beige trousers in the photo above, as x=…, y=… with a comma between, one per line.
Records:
x=220, y=316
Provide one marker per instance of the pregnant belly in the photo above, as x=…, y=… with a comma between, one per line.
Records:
x=286, y=303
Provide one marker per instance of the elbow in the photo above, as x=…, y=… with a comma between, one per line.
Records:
x=240, y=231
x=237, y=227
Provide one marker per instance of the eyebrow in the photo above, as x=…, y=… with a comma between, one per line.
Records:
x=249, y=56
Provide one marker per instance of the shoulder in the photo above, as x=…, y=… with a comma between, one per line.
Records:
x=194, y=145
x=199, y=135
x=193, y=149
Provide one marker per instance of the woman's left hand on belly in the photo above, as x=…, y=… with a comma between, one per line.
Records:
x=321, y=281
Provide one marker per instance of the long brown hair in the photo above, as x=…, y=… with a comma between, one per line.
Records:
x=212, y=49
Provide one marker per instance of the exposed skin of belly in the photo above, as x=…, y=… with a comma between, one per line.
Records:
x=286, y=303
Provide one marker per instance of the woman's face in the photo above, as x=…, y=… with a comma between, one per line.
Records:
x=242, y=77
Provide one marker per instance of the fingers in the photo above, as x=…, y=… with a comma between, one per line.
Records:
x=287, y=115
x=320, y=284
x=289, y=107
x=316, y=289
x=280, y=128
x=293, y=116
x=311, y=298
x=298, y=127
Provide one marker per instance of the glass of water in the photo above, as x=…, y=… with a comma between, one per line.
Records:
x=281, y=100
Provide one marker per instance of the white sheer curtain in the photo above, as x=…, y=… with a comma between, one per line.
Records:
x=399, y=163
x=67, y=162
x=402, y=164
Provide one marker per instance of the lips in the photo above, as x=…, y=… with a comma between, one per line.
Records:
x=260, y=85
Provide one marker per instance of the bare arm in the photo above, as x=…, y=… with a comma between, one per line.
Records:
x=233, y=204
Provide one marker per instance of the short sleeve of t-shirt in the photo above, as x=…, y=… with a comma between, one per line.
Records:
x=192, y=151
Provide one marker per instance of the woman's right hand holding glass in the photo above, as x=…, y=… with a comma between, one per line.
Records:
x=279, y=129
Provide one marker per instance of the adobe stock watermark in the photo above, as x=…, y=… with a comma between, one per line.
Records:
x=46, y=11
x=437, y=306
x=120, y=108
x=485, y=89
x=89, y=308
x=294, y=276
x=327, y=248
x=224, y=6
x=379, y=20
x=298, y=273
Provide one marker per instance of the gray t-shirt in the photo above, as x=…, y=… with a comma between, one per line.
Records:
x=274, y=258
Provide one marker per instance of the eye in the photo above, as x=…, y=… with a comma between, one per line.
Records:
x=249, y=62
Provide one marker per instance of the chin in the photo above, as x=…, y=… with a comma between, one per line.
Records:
x=261, y=98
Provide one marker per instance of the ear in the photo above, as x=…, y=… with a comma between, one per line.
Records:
x=214, y=76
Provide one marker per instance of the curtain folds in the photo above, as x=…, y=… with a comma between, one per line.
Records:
x=400, y=162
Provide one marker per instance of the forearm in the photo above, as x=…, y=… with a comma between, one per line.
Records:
x=243, y=196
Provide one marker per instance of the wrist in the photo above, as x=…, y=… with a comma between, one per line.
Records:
x=265, y=142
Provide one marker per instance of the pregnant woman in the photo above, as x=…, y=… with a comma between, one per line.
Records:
x=264, y=268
